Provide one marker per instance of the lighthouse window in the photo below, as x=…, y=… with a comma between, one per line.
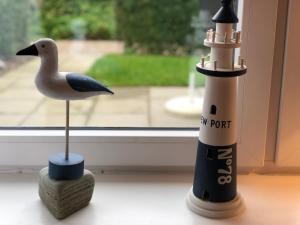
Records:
x=209, y=154
x=205, y=196
x=213, y=110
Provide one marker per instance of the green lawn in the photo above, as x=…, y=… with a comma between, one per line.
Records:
x=143, y=70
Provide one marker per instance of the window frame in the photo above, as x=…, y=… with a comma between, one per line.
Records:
x=166, y=147
x=287, y=146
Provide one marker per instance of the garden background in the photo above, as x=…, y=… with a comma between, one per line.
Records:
x=161, y=39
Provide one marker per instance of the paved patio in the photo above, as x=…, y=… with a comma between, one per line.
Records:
x=23, y=105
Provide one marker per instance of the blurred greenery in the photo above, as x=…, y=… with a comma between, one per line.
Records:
x=94, y=18
x=147, y=26
x=155, y=26
x=143, y=70
x=16, y=24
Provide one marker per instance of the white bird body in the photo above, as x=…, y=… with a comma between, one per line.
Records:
x=56, y=86
x=60, y=85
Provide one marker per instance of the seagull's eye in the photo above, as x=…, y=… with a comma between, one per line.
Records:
x=43, y=46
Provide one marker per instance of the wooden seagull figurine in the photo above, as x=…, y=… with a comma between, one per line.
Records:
x=64, y=86
x=60, y=85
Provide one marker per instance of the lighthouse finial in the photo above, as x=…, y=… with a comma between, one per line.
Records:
x=226, y=13
x=226, y=2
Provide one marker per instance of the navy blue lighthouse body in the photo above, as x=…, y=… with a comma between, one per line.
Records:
x=214, y=192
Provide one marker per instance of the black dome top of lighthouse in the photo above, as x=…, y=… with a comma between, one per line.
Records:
x=226, y=13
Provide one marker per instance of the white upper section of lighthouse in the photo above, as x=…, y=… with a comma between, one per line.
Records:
x=222, y=42
x=218, y=125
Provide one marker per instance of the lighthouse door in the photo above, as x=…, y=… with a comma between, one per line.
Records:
x=213, y=110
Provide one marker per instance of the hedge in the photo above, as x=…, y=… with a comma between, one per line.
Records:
x=14, y=25
x=155, y=26
x=69, y=19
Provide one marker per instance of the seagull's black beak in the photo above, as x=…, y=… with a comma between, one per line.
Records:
x=110, y=92
x=31, y=50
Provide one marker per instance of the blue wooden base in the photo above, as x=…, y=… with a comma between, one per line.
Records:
x=61, y=169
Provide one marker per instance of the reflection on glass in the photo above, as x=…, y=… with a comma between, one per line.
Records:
x=145, y=51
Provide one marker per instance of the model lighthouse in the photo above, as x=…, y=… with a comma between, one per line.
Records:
x=214, y=191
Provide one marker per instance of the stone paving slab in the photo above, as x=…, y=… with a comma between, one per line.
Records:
x=79, y=55
x=160, y=117
x=21, y=94
x=124, y=101
x=16, y=107
x=58, y=107
x=9, y=120
x=54, y=120
x=127, y=106
x=119, y=120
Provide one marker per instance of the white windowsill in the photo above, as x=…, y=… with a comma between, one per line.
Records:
x=109, y=148
x=150, y=199
x=19, y=135
x=23, y=148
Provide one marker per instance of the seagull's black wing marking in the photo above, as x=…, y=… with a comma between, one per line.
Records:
x=84, y=83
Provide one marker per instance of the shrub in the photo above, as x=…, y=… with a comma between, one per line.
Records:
x=156, y=26
x=96, y=18
x=14, y=26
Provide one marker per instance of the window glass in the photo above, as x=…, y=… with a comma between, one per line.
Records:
x=145, y=51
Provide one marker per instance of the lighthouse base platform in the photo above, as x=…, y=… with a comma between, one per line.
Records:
x=215, y=210
x=64, y=197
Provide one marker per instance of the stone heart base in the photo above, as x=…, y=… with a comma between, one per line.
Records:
x=64, y=197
